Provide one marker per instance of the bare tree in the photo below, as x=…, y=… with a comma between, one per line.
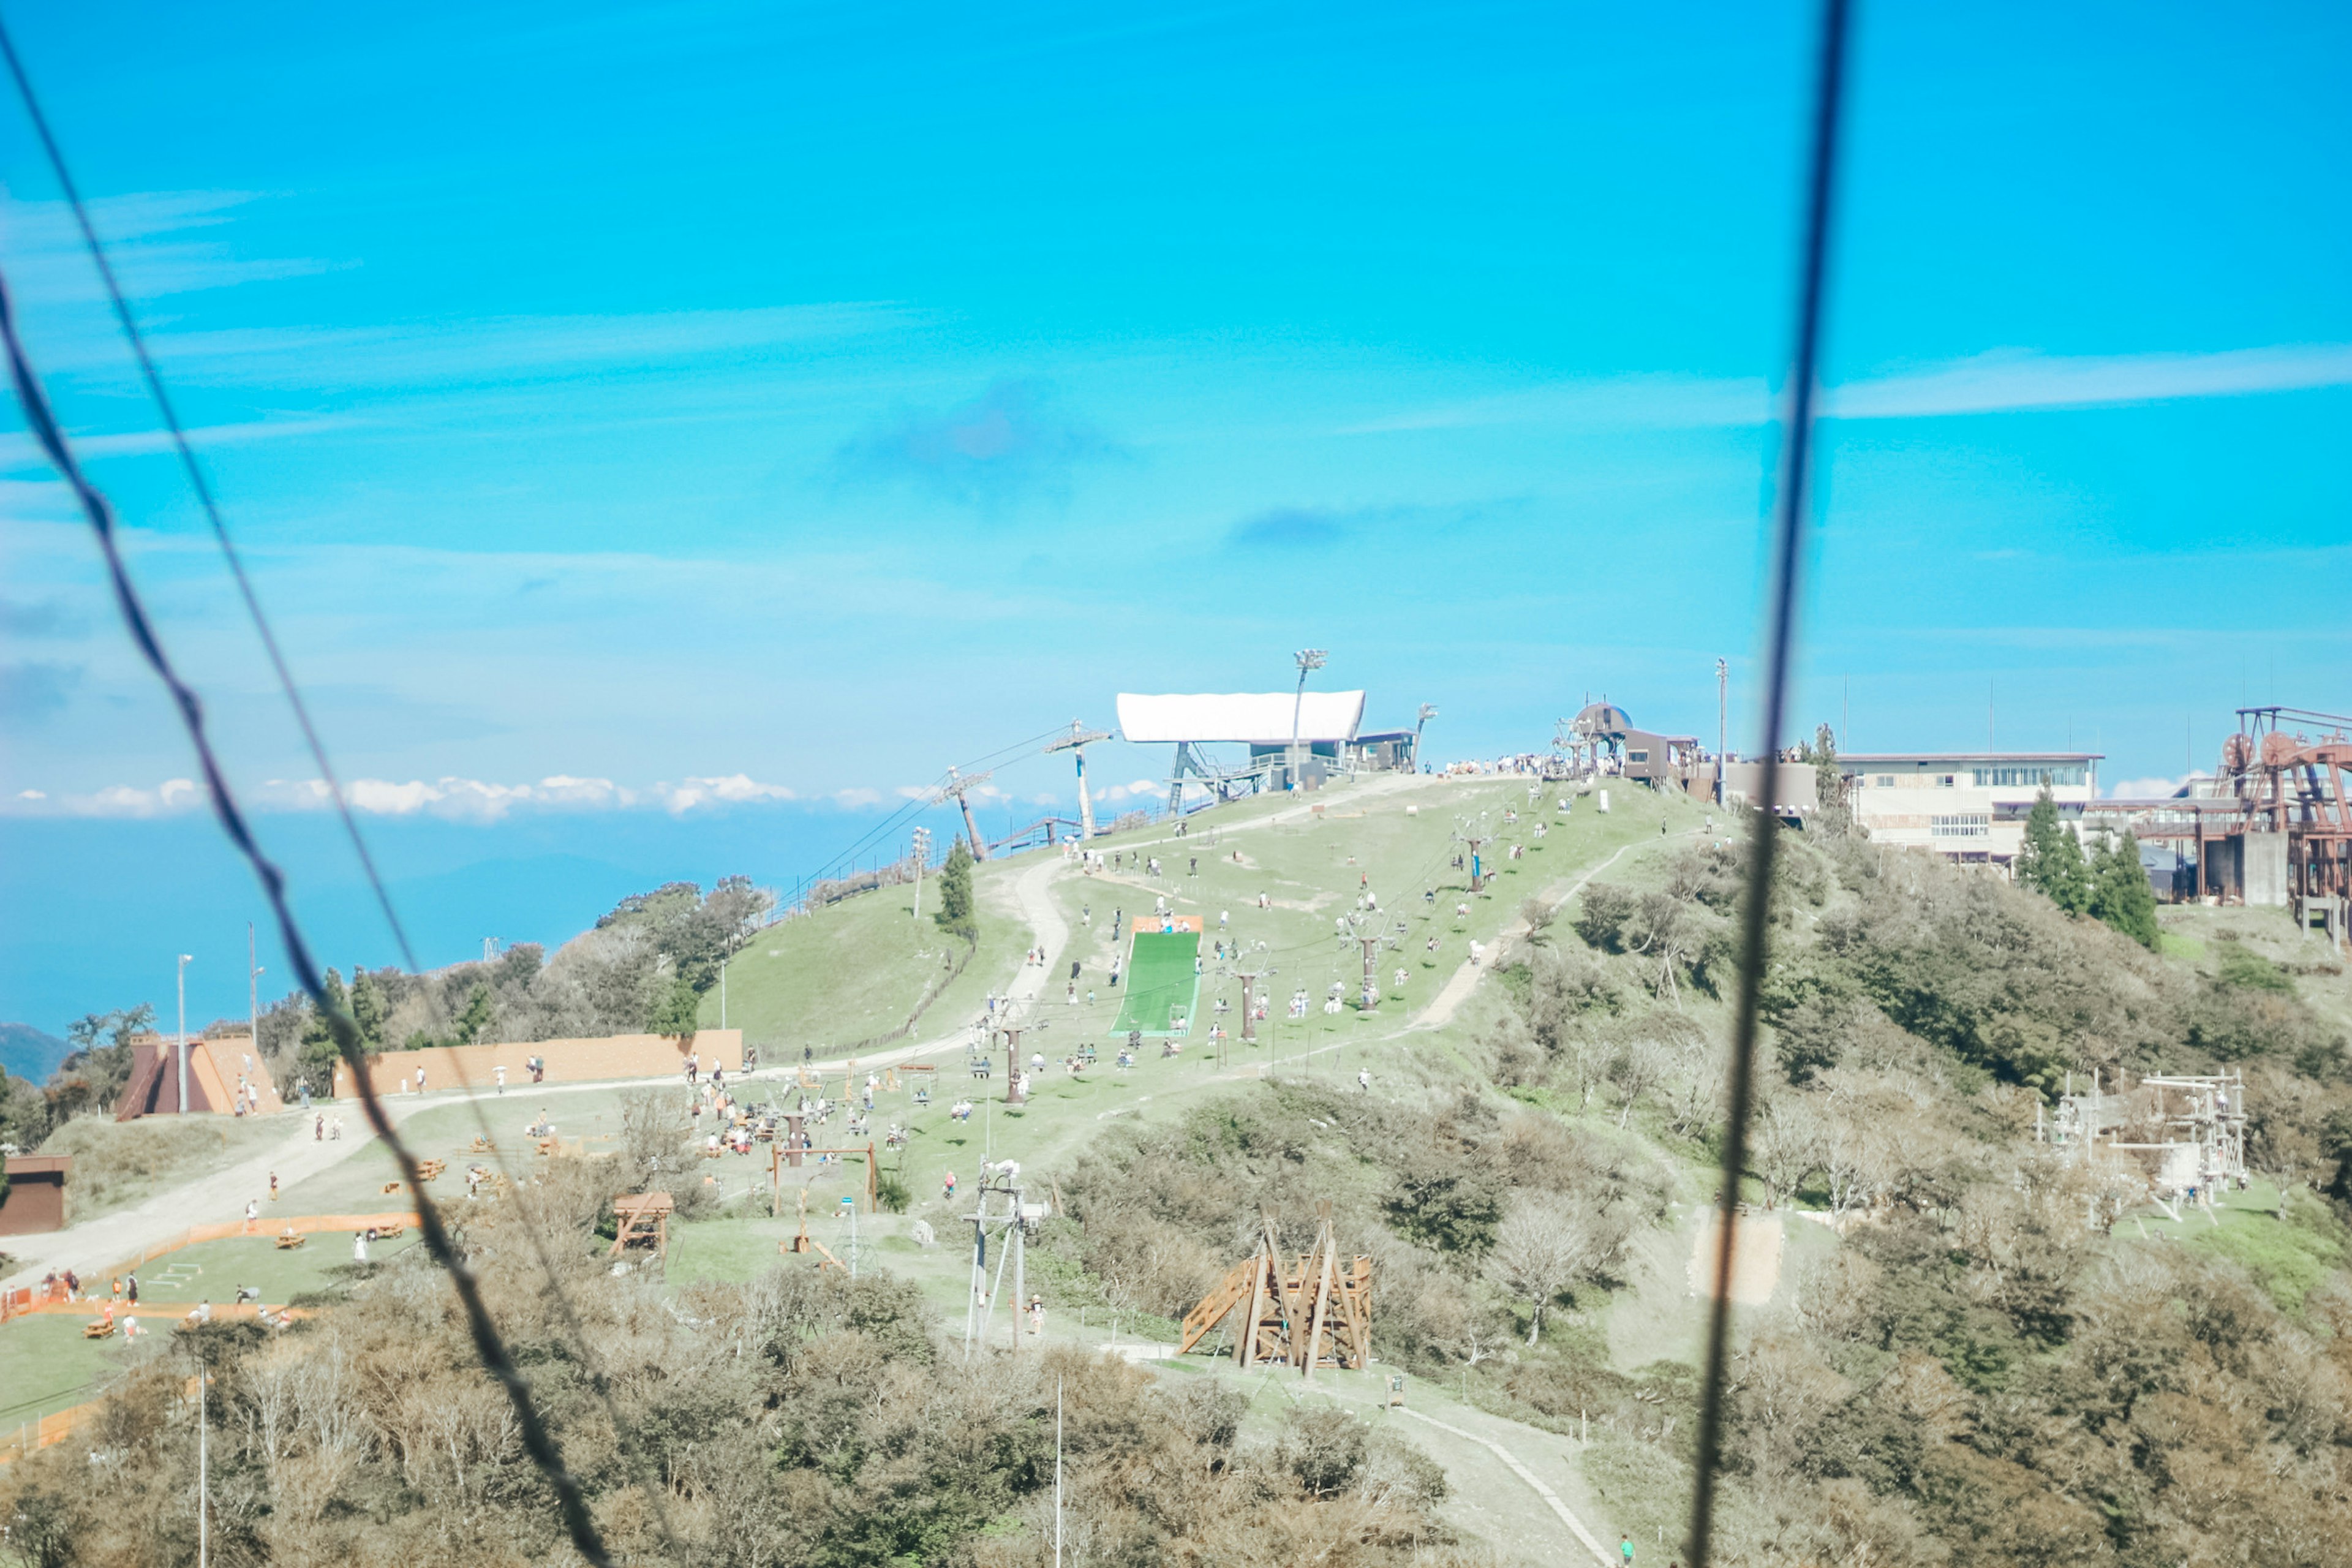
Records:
x=1640, y=1062
x=1786, y=1148
x=1547, y=1244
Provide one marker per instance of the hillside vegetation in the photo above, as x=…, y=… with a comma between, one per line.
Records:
x=1976, y=1350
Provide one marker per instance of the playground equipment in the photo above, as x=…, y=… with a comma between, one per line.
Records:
x=1303, y=1312
x=804, y=1242
x=650, y=1211
x=789, y=1153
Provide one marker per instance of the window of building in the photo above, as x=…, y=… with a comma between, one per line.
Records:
x=1966, y=824
x=1946, y=781
x=1637, y=756
x=1885, y=781
x=2056, y=775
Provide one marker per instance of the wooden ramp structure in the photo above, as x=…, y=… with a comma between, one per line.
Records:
x=1298, y=1311
x=643, y=1216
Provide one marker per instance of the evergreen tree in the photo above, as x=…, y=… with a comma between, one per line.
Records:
x=2119, y=892
x=369, y=1010
x=2050, y=860
x=955, y=895
x=1829, y=816
x=679, y=1009
x=477, y=1017
x=319, y=1053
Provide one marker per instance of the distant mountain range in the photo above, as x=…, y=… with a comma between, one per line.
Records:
x=28, y=1053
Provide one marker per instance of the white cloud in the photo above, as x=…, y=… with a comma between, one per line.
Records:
x=464, y=799
x=1133, y=790
x=2013, y=379
x=1998, y=380
x=2150, y=788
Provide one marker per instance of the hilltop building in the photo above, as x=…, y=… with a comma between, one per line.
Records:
x=1968, y=806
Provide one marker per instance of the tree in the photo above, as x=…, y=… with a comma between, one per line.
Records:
x=471, y=1022
x=2049, y=861
x=2120, y=895
x=955, y=911
x=1787, y=1147
x=1548, y=1244
x=677, y=1011
x=319, y=1050
x=1831, y=816
x=370, y=1012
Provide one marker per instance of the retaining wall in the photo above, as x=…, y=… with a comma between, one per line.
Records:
x=568, y=1061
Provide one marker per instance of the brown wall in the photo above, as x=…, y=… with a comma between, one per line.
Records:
x=37, y=1195
x=568, y=1061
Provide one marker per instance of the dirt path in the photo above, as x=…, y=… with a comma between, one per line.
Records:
x=1755, y=1258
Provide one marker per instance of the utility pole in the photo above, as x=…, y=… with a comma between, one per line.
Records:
x=921, y=856
x=722, y=993
x=204, y=1472
x=1076, y=742
x=1309, y=659
x=1428, y=712
x=1371, y=993
x=185, y=960
x=1722, y=724
x=252, y=992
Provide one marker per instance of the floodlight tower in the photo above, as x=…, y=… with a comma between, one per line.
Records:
x=1308, y=661
x=1076, y=742
x=959, y=786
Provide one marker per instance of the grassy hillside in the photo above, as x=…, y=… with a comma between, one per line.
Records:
x=859, y=968
x=1956, y=1347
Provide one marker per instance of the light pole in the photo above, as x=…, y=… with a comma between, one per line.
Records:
x=1428, y=712
x=922, y=858
x=1722, y=723
x=252, y=992
x=1309, y=659
x=185, y=959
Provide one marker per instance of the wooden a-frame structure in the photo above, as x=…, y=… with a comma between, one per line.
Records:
x=1302, y=1312
x=649, y=1210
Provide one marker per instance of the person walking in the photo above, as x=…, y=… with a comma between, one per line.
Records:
x=1364, y=1079
x=1625, y=1548
x=499, y=1073
x=420, y=1078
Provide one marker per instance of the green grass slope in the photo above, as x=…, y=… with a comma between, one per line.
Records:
x=858, y=969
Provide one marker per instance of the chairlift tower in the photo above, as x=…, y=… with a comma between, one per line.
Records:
x=1005, y=1209
x=1076, y=742
x=959, y=786
x=920, y=854
x=1308, y=661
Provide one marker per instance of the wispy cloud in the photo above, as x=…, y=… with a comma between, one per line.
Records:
x=2020, y=379
x=2000, y=381
x=18, y=451
x=153, y=241
x=34, y=690
x=512, y=348
x=1292, y=528
x=1010, y=442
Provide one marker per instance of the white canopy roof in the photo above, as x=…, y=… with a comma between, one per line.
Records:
x=1253, y=718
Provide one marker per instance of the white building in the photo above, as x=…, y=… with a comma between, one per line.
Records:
x=1966, y=806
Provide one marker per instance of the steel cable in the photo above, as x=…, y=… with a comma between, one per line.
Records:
x=1821, y=186
x=537, y=1441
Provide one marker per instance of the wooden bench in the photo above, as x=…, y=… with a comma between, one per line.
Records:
x=100, y=1330
x=430, y=1169
x=549, y=1146
x=392, y=1187
x=289, y=1240
x=482, y=1146
x=390, y=1232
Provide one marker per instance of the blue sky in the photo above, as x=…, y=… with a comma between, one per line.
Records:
x=811, y=397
